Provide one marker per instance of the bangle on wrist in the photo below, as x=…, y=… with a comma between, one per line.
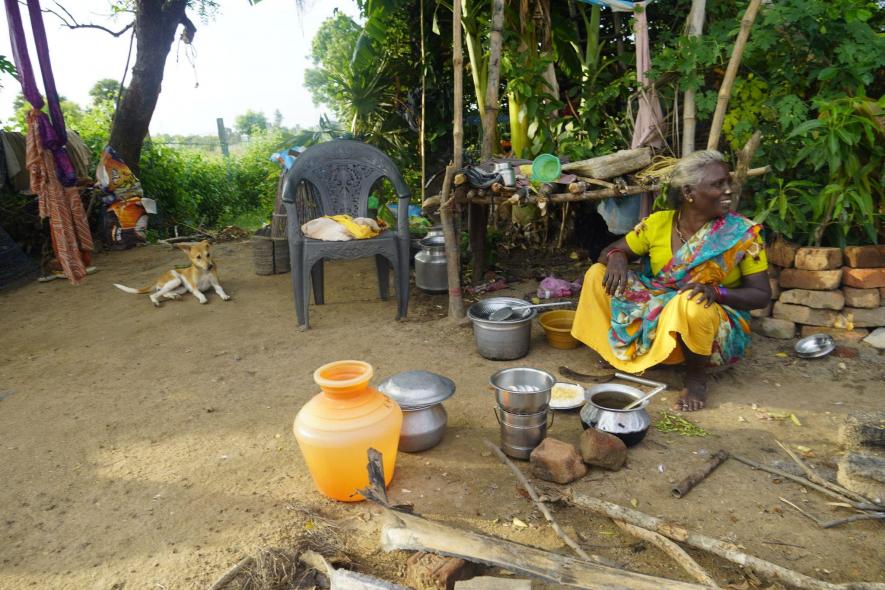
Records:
x=613, y=250
x=721, y=294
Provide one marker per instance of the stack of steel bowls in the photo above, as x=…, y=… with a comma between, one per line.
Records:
x=522, y=408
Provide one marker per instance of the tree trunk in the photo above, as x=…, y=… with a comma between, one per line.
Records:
x=490, y=123
x=155, y=24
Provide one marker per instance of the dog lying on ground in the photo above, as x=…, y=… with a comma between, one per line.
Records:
x=198, y=277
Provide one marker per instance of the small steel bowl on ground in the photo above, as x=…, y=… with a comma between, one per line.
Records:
x=814, y=346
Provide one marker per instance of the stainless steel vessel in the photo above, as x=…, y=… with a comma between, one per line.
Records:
x=420, y=395
x=604, y=411
x=431, y=272
x=521, y=433
x=503, y=340
x=522, y=390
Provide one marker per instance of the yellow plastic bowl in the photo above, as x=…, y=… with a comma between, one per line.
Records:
x=558, y=328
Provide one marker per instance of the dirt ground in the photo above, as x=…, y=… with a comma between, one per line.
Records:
x=152, y=448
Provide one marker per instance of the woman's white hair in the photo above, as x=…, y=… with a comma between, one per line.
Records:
x=689, y=171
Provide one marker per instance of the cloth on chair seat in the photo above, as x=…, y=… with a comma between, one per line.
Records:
x=340, y=228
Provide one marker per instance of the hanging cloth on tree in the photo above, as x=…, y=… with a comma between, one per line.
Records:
x=621, y=215
x=52, y=174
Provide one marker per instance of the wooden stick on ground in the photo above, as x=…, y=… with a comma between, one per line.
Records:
x=807, y=483
x=674, y=551
x=232, y=573
x=685, y=486
x=721, y=548
x=413, y=533
x=828, y=524
x=542, y=506
x=813, y=476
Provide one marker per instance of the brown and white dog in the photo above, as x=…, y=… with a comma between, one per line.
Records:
x=196, y=278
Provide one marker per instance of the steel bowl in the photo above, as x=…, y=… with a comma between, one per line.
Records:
x=522, y=390
x=814, y=346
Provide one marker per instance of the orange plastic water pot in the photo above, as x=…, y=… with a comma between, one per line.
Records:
x=336, y=428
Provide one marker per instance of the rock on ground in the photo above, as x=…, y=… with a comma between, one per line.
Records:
x=876, y=338
x=603, y=449
x=776, y=328
x=557, y=461
x=863, y=429
x=863, y=474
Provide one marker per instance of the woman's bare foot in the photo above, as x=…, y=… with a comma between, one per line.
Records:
x=694, y=395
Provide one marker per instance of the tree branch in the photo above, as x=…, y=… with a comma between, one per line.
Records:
x=189, y=29
x=70, y=22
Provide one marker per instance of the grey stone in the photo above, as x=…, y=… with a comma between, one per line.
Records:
x=775, y=328
x=863, y=474
x=876, y=338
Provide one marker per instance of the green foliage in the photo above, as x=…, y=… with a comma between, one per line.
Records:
x=105, y=91
x=193, y=188
x=250, y=123
x=805, y=74
x=6, y=68
x=842, y=152
x=72, y=112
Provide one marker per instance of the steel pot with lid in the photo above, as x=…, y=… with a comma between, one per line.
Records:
x=420, y=395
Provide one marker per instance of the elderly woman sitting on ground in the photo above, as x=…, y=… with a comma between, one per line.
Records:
x=704, y=268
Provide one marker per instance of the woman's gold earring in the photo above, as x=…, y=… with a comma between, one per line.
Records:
x=690, y=199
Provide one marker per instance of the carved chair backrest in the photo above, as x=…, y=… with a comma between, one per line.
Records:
x=337, y=177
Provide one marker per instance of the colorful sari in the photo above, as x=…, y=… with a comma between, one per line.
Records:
x=707, y=257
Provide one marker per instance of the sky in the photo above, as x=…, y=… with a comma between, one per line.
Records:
x=247, y=57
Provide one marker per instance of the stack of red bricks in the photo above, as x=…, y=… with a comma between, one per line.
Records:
x=824, y=290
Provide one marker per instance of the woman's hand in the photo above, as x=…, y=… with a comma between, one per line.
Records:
x=615, y=278
x=707, y=293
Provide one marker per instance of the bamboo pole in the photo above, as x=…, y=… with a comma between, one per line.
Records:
x=721, y=548
x=689, y=108
x=423, y=101
x=458, y=87
x=448, y=205
x=731, y=72
x=490, y=122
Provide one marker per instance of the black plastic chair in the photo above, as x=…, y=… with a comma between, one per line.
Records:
x=336, y=178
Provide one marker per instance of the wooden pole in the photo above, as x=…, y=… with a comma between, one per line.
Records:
x=689, y=108
x=731, y=72
x=721, y=548
x=448, y=204
x=490, y=123
x=458, y=88
x=423, y=101
x=683, y=487
x=409, y=532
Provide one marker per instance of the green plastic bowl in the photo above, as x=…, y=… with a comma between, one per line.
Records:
x=546, y=168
